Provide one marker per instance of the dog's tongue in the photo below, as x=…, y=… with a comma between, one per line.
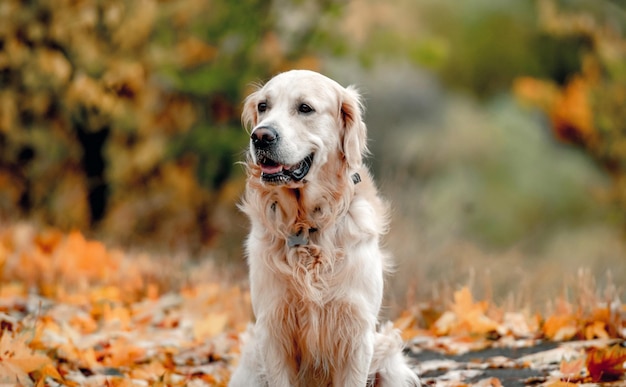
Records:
x=271, y=169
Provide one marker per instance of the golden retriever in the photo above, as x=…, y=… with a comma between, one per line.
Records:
x=316, y=267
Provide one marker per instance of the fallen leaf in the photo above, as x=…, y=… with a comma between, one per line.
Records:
x=560, y=327
x=488, y=382
x=210, y=326
x=466, y=316
x=596, y=330
x=552, y=356
x=406, y=324
x=48, y=371
x=17, y=359
x=572, y=368
x=606, y=364
x=560, y=383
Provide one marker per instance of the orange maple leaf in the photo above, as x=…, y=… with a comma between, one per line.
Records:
x=596, y=329
x=571, y=115
x=560, y=327
x=471, y=315
x=606, y=364
x=79, y=259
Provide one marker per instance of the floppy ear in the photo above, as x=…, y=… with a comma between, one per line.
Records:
x=354, y=134
x=249, y=114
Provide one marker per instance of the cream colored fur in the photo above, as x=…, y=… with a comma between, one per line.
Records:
x=316, y=305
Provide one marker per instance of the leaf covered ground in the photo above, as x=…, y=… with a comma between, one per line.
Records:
x=76, y=313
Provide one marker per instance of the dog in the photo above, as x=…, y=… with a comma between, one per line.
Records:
x=315, y=262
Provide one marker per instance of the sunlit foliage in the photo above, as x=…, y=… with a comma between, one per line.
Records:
x=118, y=115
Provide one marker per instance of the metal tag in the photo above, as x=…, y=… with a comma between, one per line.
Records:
x=298, y=239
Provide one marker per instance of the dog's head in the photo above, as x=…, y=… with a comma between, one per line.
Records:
x=299, y=122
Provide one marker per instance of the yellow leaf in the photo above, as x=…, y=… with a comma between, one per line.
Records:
x=123, y=353
x=54, y=66
x=560, y=327
x=445, y=323
x=470, y=315
x=17, y=359
x=405, y=321
x=406, y=324
x=48, y=371
x=210, y=326
x=572, y=116
x=596, y=330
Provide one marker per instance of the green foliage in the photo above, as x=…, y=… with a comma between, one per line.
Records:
x=119, y=115
x=215, y=150
x=490, y=174
x=491, y=43
x=124, y=116
x=475, y=46
x=567, y=57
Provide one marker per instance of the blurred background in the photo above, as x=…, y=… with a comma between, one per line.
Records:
x=498, y=129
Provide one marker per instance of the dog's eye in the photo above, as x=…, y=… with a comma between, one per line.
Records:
x=304, y=108
x=261, y=107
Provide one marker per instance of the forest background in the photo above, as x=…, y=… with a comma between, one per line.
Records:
x=498, y=129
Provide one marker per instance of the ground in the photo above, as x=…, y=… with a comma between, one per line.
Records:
x=76, y=313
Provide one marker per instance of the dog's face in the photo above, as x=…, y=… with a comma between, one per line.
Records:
x=299, y=121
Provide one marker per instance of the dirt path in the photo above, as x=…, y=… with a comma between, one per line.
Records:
x=521, y=363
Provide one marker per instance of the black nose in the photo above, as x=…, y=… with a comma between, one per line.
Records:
x=264, y=137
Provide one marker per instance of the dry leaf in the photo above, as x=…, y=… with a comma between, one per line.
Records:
x=572, y=116
x=466, y=316
x=110, y=330
x=406, y=323
x=560, y=327
x=560, y=383
x=571, y=369
x=210, y=326
x=17, y=359
x=596, y=330
x=48, y=371
x=606, y=364
x=489, y=382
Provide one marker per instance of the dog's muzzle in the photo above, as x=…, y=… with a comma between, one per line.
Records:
x=264, y=142
x=276, y=173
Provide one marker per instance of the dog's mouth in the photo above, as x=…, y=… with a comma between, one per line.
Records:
x=274, y=172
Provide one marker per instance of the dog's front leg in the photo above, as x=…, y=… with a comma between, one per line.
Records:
x=355, y=371
x=249, y=372
x=276, y=366
x=276, y=371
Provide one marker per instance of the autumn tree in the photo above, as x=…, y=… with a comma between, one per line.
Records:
x=124, y=116
x=586, y=109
